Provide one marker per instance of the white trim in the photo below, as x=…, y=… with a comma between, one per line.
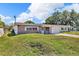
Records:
x=16, y=29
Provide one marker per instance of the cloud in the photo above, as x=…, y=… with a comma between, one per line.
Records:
x=22, y=17
x=40, y=11
x=6, y=19
x=43, y=10
x=74, y=6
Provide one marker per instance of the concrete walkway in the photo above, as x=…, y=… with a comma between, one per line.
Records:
x=70, y=35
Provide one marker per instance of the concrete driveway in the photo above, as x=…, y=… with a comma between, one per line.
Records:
x=70, y=35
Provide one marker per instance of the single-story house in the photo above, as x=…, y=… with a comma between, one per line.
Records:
x=22, y=28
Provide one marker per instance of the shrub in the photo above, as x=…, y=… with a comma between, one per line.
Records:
x=12, y=33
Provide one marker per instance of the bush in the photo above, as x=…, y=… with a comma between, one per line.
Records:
x=12, y=33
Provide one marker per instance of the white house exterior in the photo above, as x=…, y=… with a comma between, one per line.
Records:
x=16, y=29
x=21, y=28
x=1, y=31
x=60, y=28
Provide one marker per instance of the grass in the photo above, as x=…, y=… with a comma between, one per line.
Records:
x=38, y=44
x=73, y=32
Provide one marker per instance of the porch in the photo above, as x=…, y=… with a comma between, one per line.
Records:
x=44, y=29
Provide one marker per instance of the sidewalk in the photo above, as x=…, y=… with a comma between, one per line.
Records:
x=70, y=35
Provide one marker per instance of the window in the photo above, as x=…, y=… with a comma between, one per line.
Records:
x=62, y=28
x=72, y=29
x=30, y=29
x=34, y=28
x=68, y=29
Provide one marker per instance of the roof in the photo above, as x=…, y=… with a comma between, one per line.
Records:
x=24, y=24
x=43, y=25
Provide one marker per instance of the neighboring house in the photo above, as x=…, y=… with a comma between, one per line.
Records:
x=21, y=28
x=1, y=31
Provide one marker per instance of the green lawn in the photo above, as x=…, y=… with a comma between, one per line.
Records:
x=38, y=44
x=75, y=33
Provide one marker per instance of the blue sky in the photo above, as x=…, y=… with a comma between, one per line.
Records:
x=36, y=12
x=11, y=9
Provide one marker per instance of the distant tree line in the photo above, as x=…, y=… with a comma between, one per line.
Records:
x=64, y=18
x=29, y=22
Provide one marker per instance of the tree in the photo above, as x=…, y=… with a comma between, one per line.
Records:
x=29, y=22
x=1, y=23
x=73, y=17
x=50, y=20
x=54, y=19
x=64, y=18
x=77, y=22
